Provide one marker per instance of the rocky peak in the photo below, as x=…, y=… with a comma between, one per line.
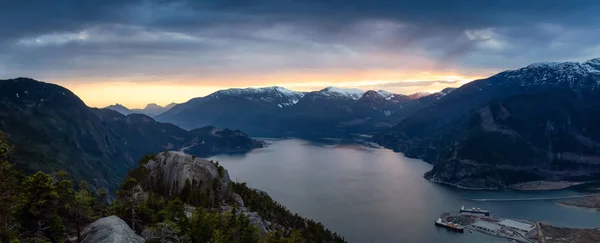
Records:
x=372, y=97
x=172, y=169
x=119, y=108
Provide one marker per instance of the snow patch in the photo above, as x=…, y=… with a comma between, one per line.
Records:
x=334, y=91
x=386, y=94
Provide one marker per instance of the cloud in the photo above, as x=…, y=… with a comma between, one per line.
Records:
x=421, y=83
x=204, y=41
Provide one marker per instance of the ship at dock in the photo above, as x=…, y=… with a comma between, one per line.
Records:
x=450, y=226
x=474, y=211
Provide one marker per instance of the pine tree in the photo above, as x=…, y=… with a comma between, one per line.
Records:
x=127, y=201
x=8, y=193
x=100, y=202
x=185, y=192
x=82, y=207
x=38, y=208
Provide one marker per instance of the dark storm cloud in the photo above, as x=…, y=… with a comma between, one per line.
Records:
x=117, y=38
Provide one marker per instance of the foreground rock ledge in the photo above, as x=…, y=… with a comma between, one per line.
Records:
x=111, y=229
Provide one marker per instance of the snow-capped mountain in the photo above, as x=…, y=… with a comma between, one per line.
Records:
x=418, y=95
x=354, y=94
x=517, y=121
x=280, y=96
x=576, y=75
x=277, y=111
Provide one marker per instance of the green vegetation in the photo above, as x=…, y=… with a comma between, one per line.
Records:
x=144, y=204
x=272, y=211
x=47, y=208
x=41, y=207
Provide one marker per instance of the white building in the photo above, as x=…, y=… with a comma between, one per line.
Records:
x=516, y=225
x=487, y=226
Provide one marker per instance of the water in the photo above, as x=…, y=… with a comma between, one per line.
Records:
x=376, y=195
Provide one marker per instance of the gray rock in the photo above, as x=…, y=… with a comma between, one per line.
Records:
x=237, y=199
x=261, y=192
x=189, y=210
x=174, y=168
x=110, y=229
x=257, y=221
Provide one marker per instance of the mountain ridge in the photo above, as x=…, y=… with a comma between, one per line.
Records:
x=477, y=114
x=51, y=128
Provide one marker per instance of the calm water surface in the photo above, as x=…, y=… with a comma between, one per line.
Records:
x=376, y=195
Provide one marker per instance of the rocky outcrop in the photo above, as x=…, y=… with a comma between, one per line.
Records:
x=110, y=229
x=257, y=221
x=237, y=199
x=172, y=169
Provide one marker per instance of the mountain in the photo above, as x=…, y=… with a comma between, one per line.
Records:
x=279, y=112
x=534, y=123
x=52, y=129
x=418, y=95
x=151, y=109
x=119, y=108
x=248, y=109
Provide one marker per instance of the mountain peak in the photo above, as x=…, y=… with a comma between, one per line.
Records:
x=348, y=92
x=560, y=74
x=418, y=95
x=246, y=91
x=153, y=106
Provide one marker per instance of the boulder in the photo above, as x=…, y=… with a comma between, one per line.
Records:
x=261, y=192
x=237, y=199
x=257, y=221
x=110, y=229
x=173, y=168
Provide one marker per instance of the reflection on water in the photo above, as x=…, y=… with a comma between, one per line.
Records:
x=375, y=195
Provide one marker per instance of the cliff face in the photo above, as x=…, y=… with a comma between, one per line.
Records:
x=170, y=173
x=172, y=170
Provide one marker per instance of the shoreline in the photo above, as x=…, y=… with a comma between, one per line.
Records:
x=545, y=185
x=591, y=203
x=592, y=210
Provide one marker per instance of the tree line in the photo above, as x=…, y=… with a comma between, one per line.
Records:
x=49, y=207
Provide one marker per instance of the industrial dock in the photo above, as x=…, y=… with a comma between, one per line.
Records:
x=475, y=219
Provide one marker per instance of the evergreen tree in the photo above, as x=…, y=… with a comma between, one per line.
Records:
x=185, y=192
x=127, y=201
x=39, y=204
x=8, y=193
x=82, y=208
x=100, y=205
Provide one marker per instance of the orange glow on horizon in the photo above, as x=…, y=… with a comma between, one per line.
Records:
x=137, y=92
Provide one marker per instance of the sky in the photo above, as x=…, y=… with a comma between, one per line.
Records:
x=135, y=52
